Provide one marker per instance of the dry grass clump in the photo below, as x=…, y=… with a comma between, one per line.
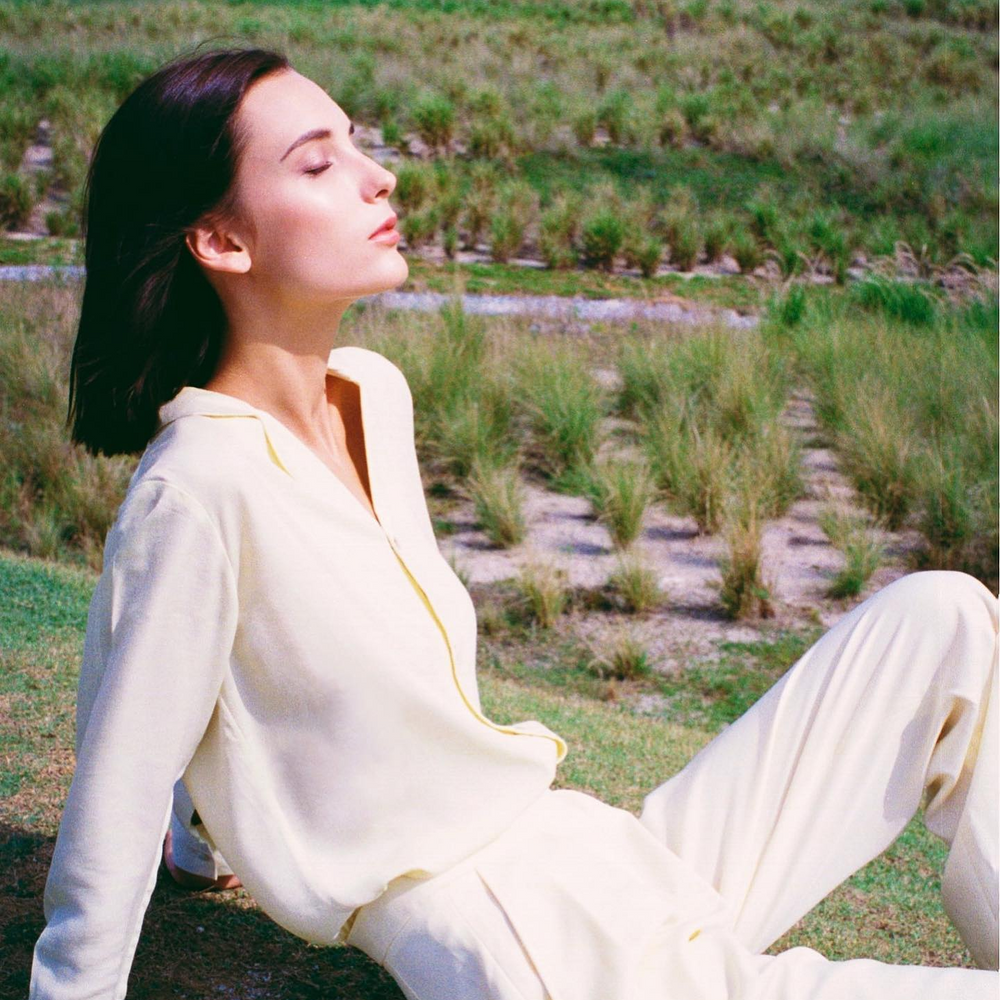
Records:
x=743, y=591
x=498, y=495
x=621, y=492
x=463, y=404
x=56, y=500
x=708, y=409
x=636, y=584
x=769, y=466
x=957, y=509
x=563, y=403
x=625, y=658
x=877, y=446
x=559, y=226
x=517, y=205
x=545, y=590
x=860, y=544
x=695, y=468
x=913, y=412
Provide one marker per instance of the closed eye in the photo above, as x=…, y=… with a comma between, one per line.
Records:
x=317, y=170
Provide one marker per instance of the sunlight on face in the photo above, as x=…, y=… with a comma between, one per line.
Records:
x=309, y=198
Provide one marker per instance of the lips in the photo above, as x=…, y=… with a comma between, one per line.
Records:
x=386, y=226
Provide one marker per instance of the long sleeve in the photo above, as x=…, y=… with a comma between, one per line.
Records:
x=159, y=638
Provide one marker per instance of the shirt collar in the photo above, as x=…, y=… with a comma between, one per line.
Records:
x=283, y=448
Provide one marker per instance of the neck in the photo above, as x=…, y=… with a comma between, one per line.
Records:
x=276, y=360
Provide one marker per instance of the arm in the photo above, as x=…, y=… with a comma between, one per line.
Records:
x=159, y=636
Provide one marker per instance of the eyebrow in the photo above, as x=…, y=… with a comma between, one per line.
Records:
x=316, y=133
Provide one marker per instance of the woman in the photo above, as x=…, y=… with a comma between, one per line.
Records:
x=272, y=587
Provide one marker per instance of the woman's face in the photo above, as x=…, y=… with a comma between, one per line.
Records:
x=309, y=200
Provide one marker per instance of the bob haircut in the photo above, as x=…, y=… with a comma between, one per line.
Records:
x=150, y=322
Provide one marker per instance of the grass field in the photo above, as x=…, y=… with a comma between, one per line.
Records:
x=595, y=133
x=905, y=380
x=890, y=910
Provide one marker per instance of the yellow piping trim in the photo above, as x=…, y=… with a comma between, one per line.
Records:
x=454, y=672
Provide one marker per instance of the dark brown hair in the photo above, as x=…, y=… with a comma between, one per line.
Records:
x=150, y=322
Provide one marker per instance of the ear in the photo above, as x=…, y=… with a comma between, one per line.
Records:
x=218, y=248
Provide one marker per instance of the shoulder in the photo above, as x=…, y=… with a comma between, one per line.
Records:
x=198, y=462
x=156, y=522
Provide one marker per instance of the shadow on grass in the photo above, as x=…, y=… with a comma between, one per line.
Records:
x=192, y=945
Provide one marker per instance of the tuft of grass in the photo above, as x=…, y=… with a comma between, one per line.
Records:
x=481, y=201
x=743, y=591
x=913, y=412
x=647, y=376
x=621, y=492
x=602, y=236
x=770, y=467
x=564, y=405
x=862, y=548
x=878, y=449
x=475, y=430
x=498, y=495
x=16, y=201
x=56, y=500
x=693, y=467
x=909, y=302
x=716, y=233
x=746, y=250
x=636, y=584
x=558, y=227
x=463, y=404
x=545, y=590
x=686, y=244
x=506, y=235
x=626, y=658
x=789, y=308
x=642, y=251
x=956, y=511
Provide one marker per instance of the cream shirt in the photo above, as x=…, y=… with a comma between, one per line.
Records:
x=307, y=670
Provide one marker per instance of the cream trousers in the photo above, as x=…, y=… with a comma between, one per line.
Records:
x=895, y=705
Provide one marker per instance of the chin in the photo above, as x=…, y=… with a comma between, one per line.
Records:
x=388, y=276
x=402, y=272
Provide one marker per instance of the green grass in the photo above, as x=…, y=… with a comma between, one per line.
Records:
x=45, y=250
x=712, y=695
x=912, y=409
x=856, y=124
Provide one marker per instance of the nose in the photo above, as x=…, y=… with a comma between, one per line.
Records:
x=384, y=180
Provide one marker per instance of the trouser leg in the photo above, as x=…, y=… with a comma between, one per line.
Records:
x=192, y=848
x=822, y=773
x=804, y=974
